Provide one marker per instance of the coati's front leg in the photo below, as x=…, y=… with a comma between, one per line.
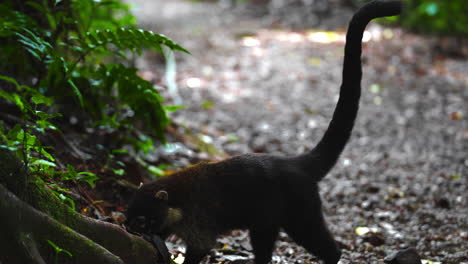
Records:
x=199, y=242
x=195, y=254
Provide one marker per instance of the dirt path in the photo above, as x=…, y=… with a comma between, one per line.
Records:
x=404, y=173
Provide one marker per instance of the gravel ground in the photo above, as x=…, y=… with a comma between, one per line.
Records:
x=252, y=87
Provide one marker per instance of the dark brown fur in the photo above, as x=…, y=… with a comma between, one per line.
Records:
x=259, y=192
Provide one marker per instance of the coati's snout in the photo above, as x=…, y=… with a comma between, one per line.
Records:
x=146, y=213
x=136, y=224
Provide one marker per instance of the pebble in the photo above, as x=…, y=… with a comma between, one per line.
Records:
x=404, y=256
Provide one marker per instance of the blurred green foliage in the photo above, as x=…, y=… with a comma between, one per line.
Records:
x=72, y=49
x=449, y=17
x=64, y=58
x=444, y=17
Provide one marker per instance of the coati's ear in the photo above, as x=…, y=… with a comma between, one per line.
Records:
x=162, y=195
x=139, y=186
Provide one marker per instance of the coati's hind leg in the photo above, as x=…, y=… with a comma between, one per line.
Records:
x=308, y=229
x=263, y=240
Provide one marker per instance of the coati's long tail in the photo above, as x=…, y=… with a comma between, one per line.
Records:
x=329, y=148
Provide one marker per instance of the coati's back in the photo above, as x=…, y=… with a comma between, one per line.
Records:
x=234, y=189
x=257, y=191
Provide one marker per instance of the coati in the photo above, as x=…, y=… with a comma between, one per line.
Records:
x=260, y=192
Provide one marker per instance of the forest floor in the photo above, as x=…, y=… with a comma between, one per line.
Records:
x=254, y=85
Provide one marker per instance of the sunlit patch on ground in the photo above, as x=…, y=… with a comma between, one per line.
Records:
x=250, y=41
x=374, y=33
x=326, y=37
x=193, y=82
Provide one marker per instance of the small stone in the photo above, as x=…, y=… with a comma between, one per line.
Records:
x=442, y=203
x=372, y=189
x=404, y=256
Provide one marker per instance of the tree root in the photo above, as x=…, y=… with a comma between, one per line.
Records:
x=33, y=219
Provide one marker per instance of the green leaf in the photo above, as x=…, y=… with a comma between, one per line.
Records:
x=14, y=132
x=68, y=200
x=20, y=136
x=41, y=99
x=119, y=151
x=47, y=154
x=138, y=94
x=41, y=162
x=173, y=108
x=71, y=171
x=34, y=44
x=11, y=80
x=18, y=101
x=119, y=172
x=31, y=140
x=58, y=188
x=155, y=170
x=42, y=125
x=131, y=39
x=88, y=177
x=86, y=173
x=7, y=96
x=58, y=249
x=46, y=116
x=14, y=98
x=76, y=91
x=10, y=148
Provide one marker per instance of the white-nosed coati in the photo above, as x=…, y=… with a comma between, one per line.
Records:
x=260, y=192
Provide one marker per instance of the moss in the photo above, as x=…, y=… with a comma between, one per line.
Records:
x=41, y=198
x=31, y=190
x=65, y=237
x=12, y=174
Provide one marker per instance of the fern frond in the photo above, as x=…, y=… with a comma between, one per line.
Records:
x=130, y=39
x=33, y=43
x=20, y=98
x=138, y=94
x=12, y=21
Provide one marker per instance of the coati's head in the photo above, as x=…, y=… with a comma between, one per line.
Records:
x=148, y=212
